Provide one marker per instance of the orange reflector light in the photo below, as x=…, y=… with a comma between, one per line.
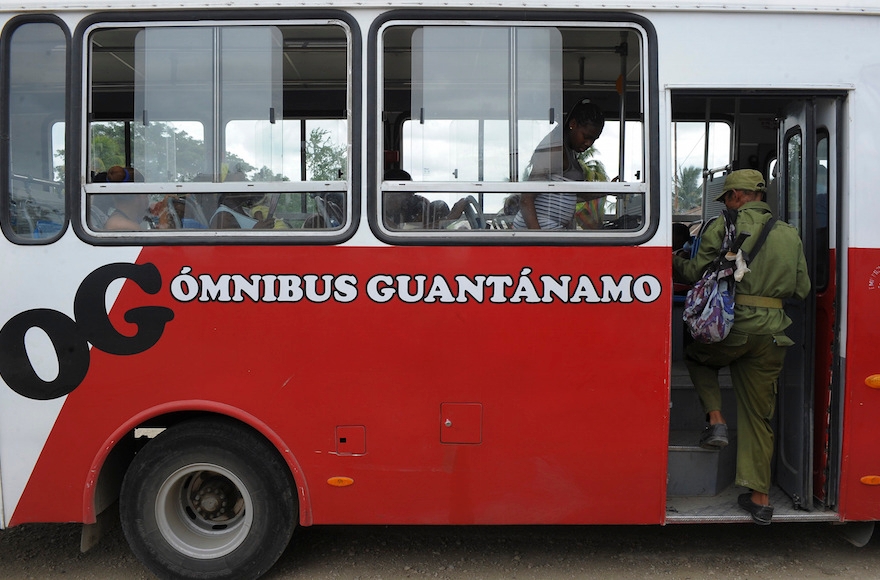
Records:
x=871, y=480
x=340, y=481
x=873, y=381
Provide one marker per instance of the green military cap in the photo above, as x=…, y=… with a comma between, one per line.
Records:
x=745, y=179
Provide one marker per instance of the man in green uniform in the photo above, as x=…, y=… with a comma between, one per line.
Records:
x=755, y=348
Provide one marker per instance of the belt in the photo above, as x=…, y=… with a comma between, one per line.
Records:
x=760, y=301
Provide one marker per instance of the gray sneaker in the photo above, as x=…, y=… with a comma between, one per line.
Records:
x=714, y=437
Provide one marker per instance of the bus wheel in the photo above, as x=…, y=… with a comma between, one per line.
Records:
x=208, y=499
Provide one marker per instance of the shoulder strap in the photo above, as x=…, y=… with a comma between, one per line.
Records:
x=760, y=242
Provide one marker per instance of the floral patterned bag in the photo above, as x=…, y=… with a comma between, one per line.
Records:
x=708, y=306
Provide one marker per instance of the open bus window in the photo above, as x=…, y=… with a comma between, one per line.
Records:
x=226, y=127
x=35, y=207
x=701, y=155
x=472, y=104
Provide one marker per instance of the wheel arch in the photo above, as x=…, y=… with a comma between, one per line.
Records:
x=115, y=455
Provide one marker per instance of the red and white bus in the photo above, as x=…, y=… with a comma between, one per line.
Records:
x=217, y=311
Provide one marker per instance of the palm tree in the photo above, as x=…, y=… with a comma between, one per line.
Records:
x=594, y=170
x=688, y=188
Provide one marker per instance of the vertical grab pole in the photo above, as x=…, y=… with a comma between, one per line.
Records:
x=623, y=49
x=513, y=129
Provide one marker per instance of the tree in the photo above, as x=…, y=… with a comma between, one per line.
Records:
x=324, y=160
x=107, y=148
x=687, y=185
x=266, y=174
x=594, y=170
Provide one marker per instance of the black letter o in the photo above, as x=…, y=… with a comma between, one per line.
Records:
x=71, y=349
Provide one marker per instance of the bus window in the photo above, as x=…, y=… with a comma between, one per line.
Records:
x=698, y=148
x=822, y=224
x=794, y=162
x=473, y=103
x=223, y=127
x=35, y=207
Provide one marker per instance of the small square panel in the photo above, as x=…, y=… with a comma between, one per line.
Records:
x=351, y=440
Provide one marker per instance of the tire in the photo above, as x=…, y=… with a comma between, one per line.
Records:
x=208, y=499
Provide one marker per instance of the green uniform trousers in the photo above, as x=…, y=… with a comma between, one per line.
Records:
x=755, y=361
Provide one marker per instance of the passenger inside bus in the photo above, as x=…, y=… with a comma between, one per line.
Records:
x=233, y=213
x=681, y=239
x=556, y=159
x=756, y=346
x=410, y=210
x=130, y=212
x=402, y=207
x=118, y=174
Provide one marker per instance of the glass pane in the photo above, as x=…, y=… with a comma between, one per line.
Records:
x=822, y=181
x=690, y=155
x=263, y=151
x=173, y=82
x=37, y=83
x=462, y=92
x=460, y=72
x=823, y=178
x=794, y=164
x=497, y=104
x=255, y=104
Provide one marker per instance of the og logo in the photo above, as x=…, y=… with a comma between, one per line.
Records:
x=71, y=338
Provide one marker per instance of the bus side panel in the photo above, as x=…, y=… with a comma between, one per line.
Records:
x=517, y=406
x=861, y=450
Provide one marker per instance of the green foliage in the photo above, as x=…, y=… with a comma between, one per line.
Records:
x=325, y=161
x=266, y=174
x=688, y=188
x=594, y=170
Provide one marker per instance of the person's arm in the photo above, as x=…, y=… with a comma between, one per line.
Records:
x=690, y=270
x=527, y=209
x=457, y=209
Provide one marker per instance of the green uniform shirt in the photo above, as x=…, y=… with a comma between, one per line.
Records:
x=778, y=271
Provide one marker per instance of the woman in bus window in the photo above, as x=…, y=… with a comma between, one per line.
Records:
x=556, y=159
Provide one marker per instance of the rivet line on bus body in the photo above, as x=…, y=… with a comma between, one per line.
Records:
x=873, y=381
x=871, y=480
x=340, y=481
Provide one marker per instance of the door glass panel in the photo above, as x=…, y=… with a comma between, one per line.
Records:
x=794, y=164
x=37, y=81
x=822, y=225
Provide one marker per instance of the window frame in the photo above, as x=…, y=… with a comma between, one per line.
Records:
x=219, y=18
x=649, y=186
x=6, y=175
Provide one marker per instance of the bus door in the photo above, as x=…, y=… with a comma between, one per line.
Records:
x=806, y=166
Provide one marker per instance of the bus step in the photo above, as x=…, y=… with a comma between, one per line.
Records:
x=694, y=471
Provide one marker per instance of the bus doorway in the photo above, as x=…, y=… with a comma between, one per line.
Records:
x=808, y=168
x=792, y=139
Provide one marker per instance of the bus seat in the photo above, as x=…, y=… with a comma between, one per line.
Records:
x=45, y=229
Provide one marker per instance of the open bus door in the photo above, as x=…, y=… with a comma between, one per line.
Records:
x=806, y=164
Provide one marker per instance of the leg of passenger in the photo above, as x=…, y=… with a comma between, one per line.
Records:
x=755, y=378
x=703, y=363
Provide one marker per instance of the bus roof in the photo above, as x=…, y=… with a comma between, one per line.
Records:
x=763, y=6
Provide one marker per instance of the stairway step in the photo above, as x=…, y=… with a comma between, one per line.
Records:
x=694, y=471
